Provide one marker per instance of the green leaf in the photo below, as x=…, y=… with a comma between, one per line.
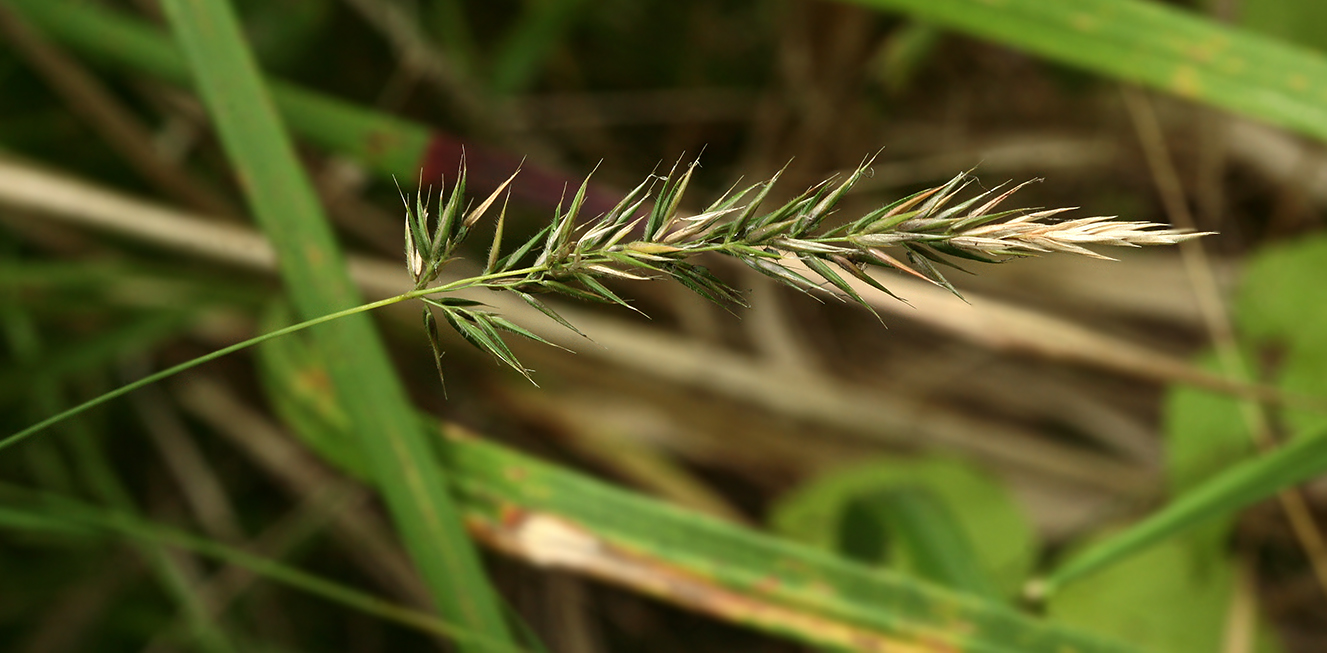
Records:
x=1205, y=433
x=530, y=43
x=1279, y=305
x=914, y=527
x=1169, y=599
x=98, y=351
x=26, y=509
x=983, y=511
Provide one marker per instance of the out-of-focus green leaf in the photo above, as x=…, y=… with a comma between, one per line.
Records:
x=982, y=509
x=915, y=532
x=1168, y=599
x=1280, y=306
x=1205, y=434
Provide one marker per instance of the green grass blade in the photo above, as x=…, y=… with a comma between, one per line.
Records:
x=772, y=584
x=1229, y=491
x=854, y=606
x=1154, y=44
x=311, y=263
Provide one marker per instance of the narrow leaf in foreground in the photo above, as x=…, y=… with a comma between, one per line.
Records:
x=282, y=197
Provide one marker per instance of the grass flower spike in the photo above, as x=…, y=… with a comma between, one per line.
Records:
x=641, y=240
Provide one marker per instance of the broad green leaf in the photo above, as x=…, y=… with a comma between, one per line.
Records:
x=911, y=529
x=983, y=510
x=1280, y=306
x=1204, y=433
x=1168, y=599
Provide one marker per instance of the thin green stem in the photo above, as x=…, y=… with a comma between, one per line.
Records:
x=171, y=371
x=459, y=284
x=190, y=364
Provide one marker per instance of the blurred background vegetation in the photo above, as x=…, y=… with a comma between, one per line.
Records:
x=794, y=477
